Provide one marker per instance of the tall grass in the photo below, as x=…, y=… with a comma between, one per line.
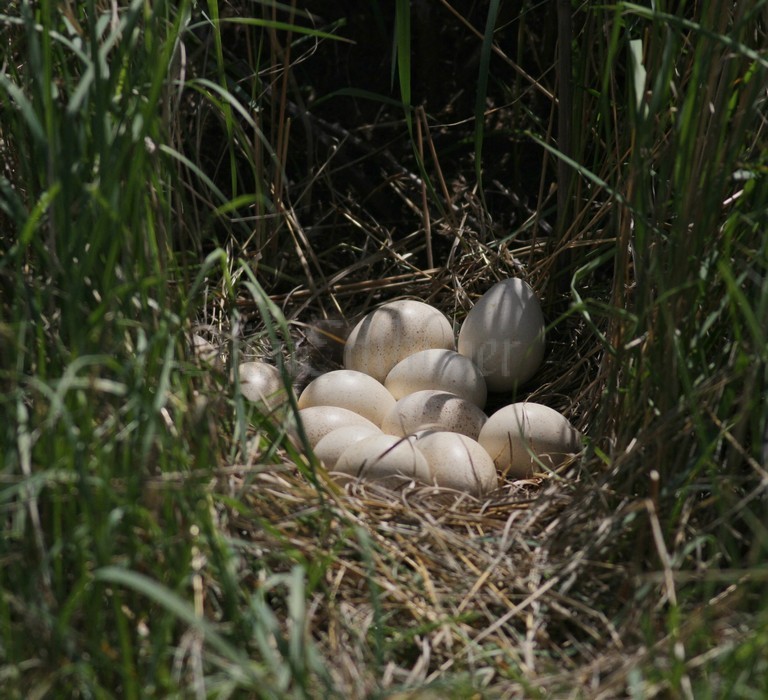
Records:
x=150, y=183
x=682, y=384
x=689, y=252
x=110, y=525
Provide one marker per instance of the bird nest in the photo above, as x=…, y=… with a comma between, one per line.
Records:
x=418, y=582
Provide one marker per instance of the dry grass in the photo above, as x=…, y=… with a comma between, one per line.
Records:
x=421, y=585
x=541, y=589
x=633, y=571
x=435, y=583
x=513, y=595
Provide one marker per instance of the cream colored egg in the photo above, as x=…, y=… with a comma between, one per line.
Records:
x=457, y=462
x=262, y=383
x=394, y=331
x=329, y=448
x=386, y=458
x=318, y=421
x=439, y=369
x=431, y=408
x=514, y=432
x=503, y=334
x=357, y=391
x=206, y=352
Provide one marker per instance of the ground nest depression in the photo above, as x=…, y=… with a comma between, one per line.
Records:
x=437, y=579
x=202, y=226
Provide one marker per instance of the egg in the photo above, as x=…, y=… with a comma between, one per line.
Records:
x=503, y=334
x=318, y=421
x=357, y=391
x=434, y=408
x=262, y=383
x=329, y=448
x=205, y=351
x=514, y=432
x=394, y=331
x=457, y=462
x=439, y=369
x=386, y=458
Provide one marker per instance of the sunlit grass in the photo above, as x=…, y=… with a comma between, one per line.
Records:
x=160, y=537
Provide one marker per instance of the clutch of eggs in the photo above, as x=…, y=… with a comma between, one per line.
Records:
x=408, y=405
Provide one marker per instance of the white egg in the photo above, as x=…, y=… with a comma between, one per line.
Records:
x=457, y=462
x=385, y=458
x=329, y=448
x=503, y=334
x=262, y=383
x=431, y=408
x=318, y=421
x=357, y=391
x=394, y=331
x=205, y=351
x=439, y=369
x=514, y=432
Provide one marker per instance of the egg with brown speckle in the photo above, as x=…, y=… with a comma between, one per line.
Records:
x=519, y=436
x=438, y=369
x=457, y=462
x=329, y=448
x=392, y=332
x=432, y=408
x=318, y=421
x=357, y=391
x=386, y=458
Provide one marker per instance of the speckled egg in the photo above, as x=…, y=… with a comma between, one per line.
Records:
x=514, y=432
x=318, y=421
x=329, y=448
x=457, y=462
x=394, y=331
x=431, y=408
x=262, y=383
x=386, y=458
x=439, y=369
x=503, y=334
x=347, y=388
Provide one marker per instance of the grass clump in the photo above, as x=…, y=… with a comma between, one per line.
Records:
x=181, y=168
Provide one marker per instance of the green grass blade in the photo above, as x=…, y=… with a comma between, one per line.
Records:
x=482, y=90
x=281, y=26
x=237, y=662
x=581, y=169
x=402, y=57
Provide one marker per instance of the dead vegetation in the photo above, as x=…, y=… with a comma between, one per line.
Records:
x=543, y=589
x=632, y=571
